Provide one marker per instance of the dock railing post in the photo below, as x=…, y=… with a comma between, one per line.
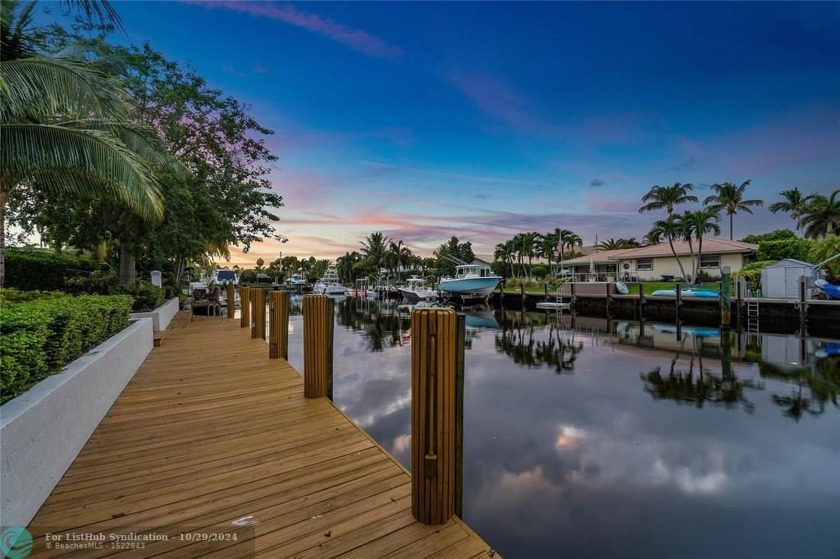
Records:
x=258, y=313
x=725, y=299
x=434, y=372
x=231, y=300
x=318, y=327
x=245, y=307
x=278, y=324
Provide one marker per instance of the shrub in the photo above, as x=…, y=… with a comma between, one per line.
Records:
x=539, y=272
x=752, y=273
x=147, y=297
x=42, y=270
x=95, y=283
x=797, y=249
x=39, y=337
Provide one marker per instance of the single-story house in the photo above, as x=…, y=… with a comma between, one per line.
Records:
x=657, y=262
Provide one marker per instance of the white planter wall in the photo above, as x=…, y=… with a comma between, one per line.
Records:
x=43, y=430
x=161, y=316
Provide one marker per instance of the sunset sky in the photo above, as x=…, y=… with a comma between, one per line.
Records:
x=482, y=120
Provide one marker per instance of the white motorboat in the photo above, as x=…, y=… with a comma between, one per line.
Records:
x=471, y=280
x=416, y=291
x=329, y=284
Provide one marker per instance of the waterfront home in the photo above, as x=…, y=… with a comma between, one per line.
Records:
x=657, y=262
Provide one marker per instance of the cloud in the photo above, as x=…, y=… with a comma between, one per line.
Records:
x=497, y=100
x=688, y=165
x=355, y=39
x=260, y=69
x=595, y=183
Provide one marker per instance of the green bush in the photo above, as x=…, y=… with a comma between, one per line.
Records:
x=147, y=297
x=752, y=273
x=97, y=282
x=43, y=270
x=539, y=272
x=797, y=249
x=39, y=337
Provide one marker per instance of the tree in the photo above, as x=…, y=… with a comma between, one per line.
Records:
x=618, y=244
x=504, y=252
x=260, y=263
x=374, y=248
x=451, y=252
x=225, y=199
x=821, y=215
x=729, y=197
x=398, y=256
x=65, y=129
x=824, y=249
x=696, y=225
x=775, y=235
x=666, y=197
x=794, y=203
x=671, y=229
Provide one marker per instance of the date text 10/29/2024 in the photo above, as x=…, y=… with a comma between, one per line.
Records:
x=131, y=540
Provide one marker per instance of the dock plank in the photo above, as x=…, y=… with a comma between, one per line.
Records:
x=210, y=431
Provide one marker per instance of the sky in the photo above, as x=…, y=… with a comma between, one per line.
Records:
x=485, y=119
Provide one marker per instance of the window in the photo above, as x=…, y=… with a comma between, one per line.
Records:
x=709, y=260
x=644, y=264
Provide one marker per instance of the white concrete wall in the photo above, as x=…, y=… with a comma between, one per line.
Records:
x=43, y=430
x=161, y=316
x=667, y=266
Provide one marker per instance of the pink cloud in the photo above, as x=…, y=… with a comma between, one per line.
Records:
x=355, y=39
x=496, y=99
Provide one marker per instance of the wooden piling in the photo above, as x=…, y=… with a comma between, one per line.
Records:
x=609, y=299
x=641, y=300
x=725, y=299
x=231, y=300
x=434, y=365
x=278, y=324
x=258, y=313
x=318, y=327
x=522, y=294
x=459, y=415
x=245, y=307
x=677, y=303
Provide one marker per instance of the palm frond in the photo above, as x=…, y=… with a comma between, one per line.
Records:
x=43, y=87
x=44, y=151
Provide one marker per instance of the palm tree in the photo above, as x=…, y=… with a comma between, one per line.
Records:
x=504, y=252
x=659, y=197
x=671, y=228
x=697, y=224
x=794, y=203
x=529, y=245
x=65, y=130
x=374, y=248
x=730, y=198
x=398, y=255
x=821, y=215
x=618, y=244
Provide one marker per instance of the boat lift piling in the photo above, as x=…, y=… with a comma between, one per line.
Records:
x=258, y=313
x=725, y=300
x=245, y=307
x=318, y=331
x=278, y=325
x=231, y=299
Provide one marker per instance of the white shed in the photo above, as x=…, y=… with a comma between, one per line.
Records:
x=781, y=280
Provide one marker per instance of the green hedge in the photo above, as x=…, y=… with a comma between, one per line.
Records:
x=39, y=337
x=43, y=270
x=798, y=249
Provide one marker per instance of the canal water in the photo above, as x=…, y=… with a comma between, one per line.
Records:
x=584, y=438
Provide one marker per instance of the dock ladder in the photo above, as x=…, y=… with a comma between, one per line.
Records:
x=752, y=311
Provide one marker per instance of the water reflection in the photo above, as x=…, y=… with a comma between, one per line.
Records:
x=649, y=440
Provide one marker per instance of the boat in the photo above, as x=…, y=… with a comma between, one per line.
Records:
x=329, y=284
x=225, y=276
x=700, y=292
x=557, y=305
x=831, y=291
x=415, y=291
x=296, y=282
x=471, y=280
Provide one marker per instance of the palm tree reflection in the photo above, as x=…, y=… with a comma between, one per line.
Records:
x=519, y=339
x=707, y=387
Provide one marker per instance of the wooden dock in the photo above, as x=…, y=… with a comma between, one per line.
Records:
x=212, y=451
